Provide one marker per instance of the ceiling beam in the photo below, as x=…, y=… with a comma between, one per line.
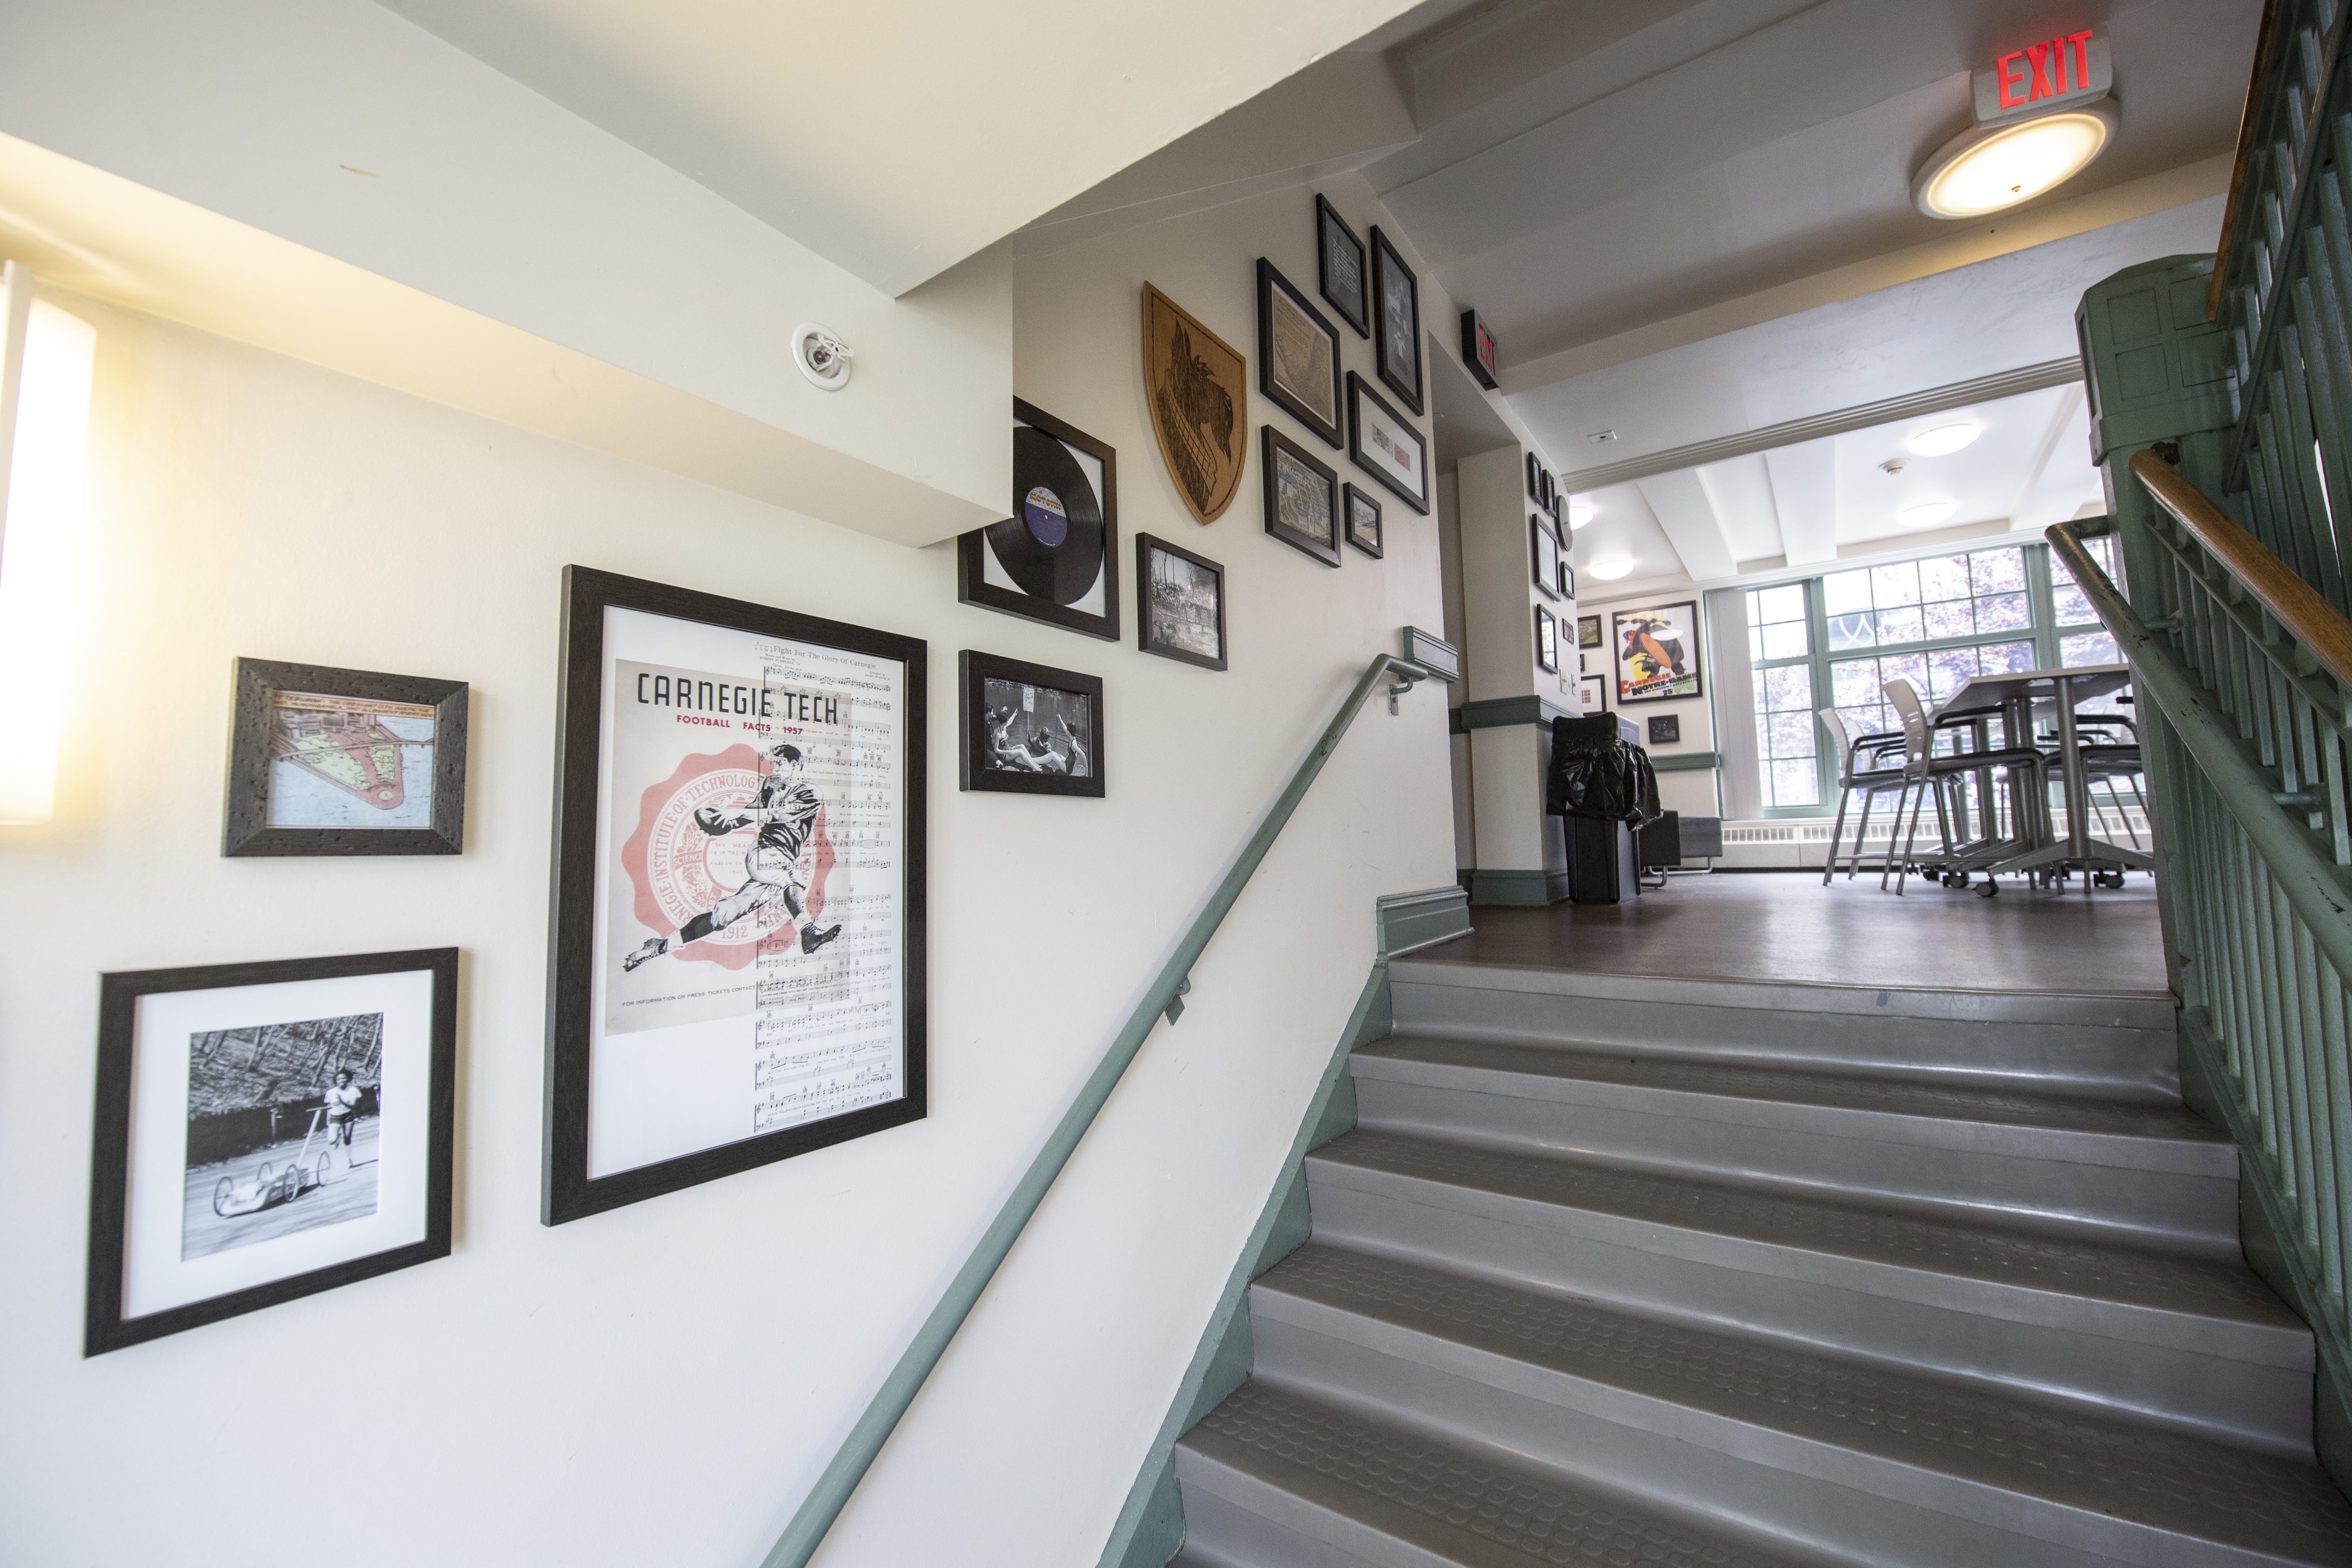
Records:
x=1804, y=487
x=1686, y=512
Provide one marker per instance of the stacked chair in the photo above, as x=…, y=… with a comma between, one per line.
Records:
x=1927, y=774
x=1874, y=777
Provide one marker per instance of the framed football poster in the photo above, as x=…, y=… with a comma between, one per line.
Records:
x=1656, y=652
x=737, y=928
x=1055, y=558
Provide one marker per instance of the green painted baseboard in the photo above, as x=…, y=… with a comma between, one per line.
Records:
x=1522, y=888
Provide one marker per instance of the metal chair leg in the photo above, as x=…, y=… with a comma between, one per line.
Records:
x=1837, y=834
x=1862, y=833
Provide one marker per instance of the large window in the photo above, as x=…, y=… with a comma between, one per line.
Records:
x=1834, y=641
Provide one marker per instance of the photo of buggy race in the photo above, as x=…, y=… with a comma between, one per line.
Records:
x=284, y=1126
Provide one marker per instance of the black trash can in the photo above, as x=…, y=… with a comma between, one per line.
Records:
x=1602, y=785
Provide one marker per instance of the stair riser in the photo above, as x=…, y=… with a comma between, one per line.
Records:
x=1828, y=1154
x=1228, y=1534
x=1664, y=1457
x=2189, y=1380
x=2121, y=1062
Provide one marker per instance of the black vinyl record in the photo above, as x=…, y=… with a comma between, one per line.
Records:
x=1052, y=545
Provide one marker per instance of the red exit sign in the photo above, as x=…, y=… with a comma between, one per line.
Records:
x=2043, y=74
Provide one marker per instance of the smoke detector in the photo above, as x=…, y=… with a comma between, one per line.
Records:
x=1893, y=466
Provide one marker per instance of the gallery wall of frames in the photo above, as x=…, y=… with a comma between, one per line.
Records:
x=592, y=843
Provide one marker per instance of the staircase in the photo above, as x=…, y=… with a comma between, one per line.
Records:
x=1626, y=1270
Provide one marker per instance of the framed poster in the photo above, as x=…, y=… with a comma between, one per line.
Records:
x=1363, y=515
x=738, y=932
x=344, y=762
x=266, y=1131
x=1396, y=345
x=1198, y=389
x=1588, y=631
x=1656, y=652
x=1383, y=443
x=1543, y=551
x=1029, y=729
x=1591, y=693
x=1179, y=604
x=1546, y=641
x=1055, y=558
x=1297, y=355
x=1340, y=267
x=1302, y=497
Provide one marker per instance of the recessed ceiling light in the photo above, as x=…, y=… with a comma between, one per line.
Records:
x=1982, y=170
x=1943, y=440
x=1927, y=513
x=1579, y=512
x=1610, y=569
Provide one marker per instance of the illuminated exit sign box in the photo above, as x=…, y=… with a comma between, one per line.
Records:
x=2043, y=74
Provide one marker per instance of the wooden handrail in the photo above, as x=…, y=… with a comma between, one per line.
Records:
x=2245, y=156
x=2295, y=603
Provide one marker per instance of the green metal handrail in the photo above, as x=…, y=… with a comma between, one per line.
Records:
x=1164, y=999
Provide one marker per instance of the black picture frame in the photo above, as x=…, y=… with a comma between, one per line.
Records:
x=1546, y=641
x=972, y=586
x=1147, y=631
x=1396, y=301
x=245, y=825
x=1480, y=353
x=567, y=1191
x=1686, y=612
x=1550, y=497
x=976, y=770
x=104, y=1327
x=1666, y=728
x=1275, y=292
x=1341, y=274
x=1534, y=479
x=1588, y=631
x=1566, y=573
x=1362, y=514
x=1360, y=393
x=1543, y=555
x=1592, y=693
x=1280, y=456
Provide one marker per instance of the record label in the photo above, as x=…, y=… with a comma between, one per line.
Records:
x=1046, y=519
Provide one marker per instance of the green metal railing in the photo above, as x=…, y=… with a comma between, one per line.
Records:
x=1164, y=999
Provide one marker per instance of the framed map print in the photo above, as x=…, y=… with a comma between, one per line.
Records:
x=737, y=928
x=344, y=762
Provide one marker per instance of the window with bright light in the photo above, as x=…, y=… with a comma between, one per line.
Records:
x=1780, y=643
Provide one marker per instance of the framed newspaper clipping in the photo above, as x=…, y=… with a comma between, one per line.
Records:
x=736, y=941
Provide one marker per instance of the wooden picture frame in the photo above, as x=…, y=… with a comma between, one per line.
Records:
x=1396, y=308
x=729, y=717
x=1387, y=446
x=1170, y=618
x=1051, y=756
x=1546, y=641
x=1341, y=274
x=354, y=755
x=1302, y=497
x=984, y=576
x=1656, y=652
x=1543, y=555
x=1362, y=514
x=1297, y=355
x=198, y=1062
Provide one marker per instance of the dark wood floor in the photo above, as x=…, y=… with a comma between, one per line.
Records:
x=1788, y=928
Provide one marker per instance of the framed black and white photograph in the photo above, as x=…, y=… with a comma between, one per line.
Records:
x=1396, y=345
x=1297, y=355
x=1180, y=600
x=1666, y=728
x=1385, y=444
x=1302, y=497
x=344, y=762
x=1543, y=551
x=267, y=1132
x=1592, y=694
x=1340, y=267
x=1363, y=515
x=1588, y=631
x=1546, y=641
x=1549, y=500
x=737, y=929
x=1534, y=479
x=1055, y=557
x=1567, y=576
x=1656, y=649
x=1029, y=729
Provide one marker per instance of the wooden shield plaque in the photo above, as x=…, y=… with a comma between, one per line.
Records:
x=1197, y=385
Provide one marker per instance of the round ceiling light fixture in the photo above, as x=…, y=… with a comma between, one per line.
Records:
x=1943, y=440
x=1609, y=570
x=1579, y=512
x=1984, y=170
x=1927, y=513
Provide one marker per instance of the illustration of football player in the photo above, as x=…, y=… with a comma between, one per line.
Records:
x=783, y=808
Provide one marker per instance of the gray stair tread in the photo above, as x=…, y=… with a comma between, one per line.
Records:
x=2162, y=1481
x=2187, y=1285
x=1727, y=1082
x=1459, y=1509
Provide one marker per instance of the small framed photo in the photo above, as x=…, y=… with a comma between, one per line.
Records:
x=344, y=762
x=1302, y=497
x=1363, y=515
x=1591, y=693
x=1396, y=347
x=1543, y=551
x=1340, y=267
x=1567, y=576
x=1549, y=500
x=1029, y=729
x=1546, y=641
x=266, y=1131
x=1666, y=728
x=1181, y=603
x=1478, y=351
x=1297, y=355
x=1385, y=446
x=1656, y=652
x=1588, y=631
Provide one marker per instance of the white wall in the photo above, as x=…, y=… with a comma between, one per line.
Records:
x=660, y=1385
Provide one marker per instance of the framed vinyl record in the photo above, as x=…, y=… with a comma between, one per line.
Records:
x=1055, y=558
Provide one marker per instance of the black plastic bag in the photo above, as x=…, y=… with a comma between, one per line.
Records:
x=1595, y=773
